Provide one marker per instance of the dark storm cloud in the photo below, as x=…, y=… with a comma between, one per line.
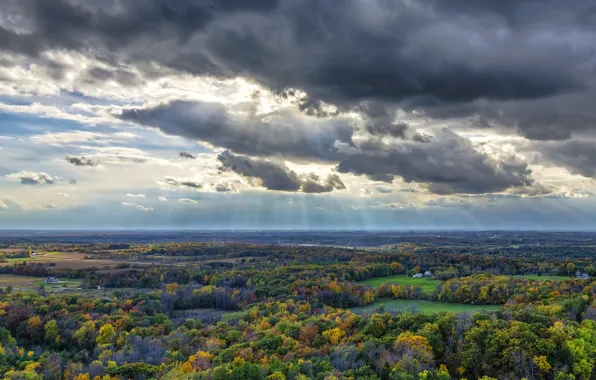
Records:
x=394, y=129
x=279, y=133
x=186, y=155
x=274, y=176
x=551, y=118
x=81, y=161
x=424, y=53
x=77, y=24
x=448, y=164
x=578, y=156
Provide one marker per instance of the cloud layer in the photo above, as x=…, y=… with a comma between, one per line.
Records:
x=390, y=105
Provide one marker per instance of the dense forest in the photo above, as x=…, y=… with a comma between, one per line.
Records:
x=237, y=311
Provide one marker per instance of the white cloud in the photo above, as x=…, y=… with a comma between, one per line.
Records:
x=389, y=205
x=163, y=199
x=135, y=195
x=8, y=202
x=188, y=200
x=31, y=178
x=137, y=206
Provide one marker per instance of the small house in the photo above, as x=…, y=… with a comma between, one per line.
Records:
x=418, y=275
x=428, y=273
x=52, y=280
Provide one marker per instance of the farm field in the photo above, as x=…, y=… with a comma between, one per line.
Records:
x=427, y=285
x=73, y=260
x=422, y=306
x=45, y=256
x=27, y=282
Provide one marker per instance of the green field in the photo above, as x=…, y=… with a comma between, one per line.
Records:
x=421, y=306
x=427, y=284
x=543, y=278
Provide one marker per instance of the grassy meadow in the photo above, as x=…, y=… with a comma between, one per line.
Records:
x=421, y=306
x=427, y=284
x=543, y=278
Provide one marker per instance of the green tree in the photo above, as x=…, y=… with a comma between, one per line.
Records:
x=106, y=334
x=51, y=331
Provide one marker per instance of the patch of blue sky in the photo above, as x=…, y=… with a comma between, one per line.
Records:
x=13, y=124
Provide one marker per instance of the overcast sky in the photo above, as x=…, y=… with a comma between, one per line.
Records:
x=298, y=114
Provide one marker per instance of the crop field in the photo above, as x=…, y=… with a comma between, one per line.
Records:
x=73, y=260
x=27, y=282
x=430, y=307
x=427, y=284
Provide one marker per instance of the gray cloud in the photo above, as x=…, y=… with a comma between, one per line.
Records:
x=418, y=55
x=448, y=164
x=81, y=161
x=279, y=133
x=578, y=156
x=109, y=155
x=385, y=125
x=392, y=129
x=557, y=117
x=274, y=176
x=183, y=183
x=187, y=155
x=311, y=183
x=225, y=187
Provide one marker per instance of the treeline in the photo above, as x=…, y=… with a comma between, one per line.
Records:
x=43, y=270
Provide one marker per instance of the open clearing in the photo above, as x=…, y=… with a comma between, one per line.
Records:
x=543, y=278
x=27, y=282
x=427, y=284
x=421, y=306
